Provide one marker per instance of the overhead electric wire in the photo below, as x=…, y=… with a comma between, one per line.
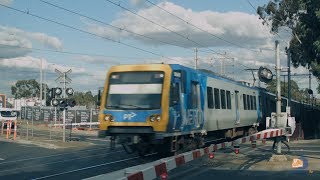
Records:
x=35, y=71
x=69, y=52
x=178, y=34
x=174, y=32
x=255, y=11
x=215, y=36
x=87, y=32
x=107, y=24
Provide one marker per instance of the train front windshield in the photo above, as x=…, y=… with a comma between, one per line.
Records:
x=135, y=90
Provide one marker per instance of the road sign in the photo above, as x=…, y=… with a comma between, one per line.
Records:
x=63, y=76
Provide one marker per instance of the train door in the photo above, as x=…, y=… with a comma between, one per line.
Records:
x=176, y=104
x=176, y=101
x=236, y=95
x=195, y=111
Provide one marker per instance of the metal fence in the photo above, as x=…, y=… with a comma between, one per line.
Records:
x=54, y=116
x=47, y=122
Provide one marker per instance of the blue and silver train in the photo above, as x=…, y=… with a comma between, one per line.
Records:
x=170, y=108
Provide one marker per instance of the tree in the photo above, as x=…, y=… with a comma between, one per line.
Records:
x=84, y=99
x=296, y=93
x=302, y=18
x=28, y=89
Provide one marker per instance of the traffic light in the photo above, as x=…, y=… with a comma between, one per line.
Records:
x=265, y=74
x=63, y=103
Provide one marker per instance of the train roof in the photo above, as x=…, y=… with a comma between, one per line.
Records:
x=211, y=74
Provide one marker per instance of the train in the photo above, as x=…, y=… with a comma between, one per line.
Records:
x=171, y=108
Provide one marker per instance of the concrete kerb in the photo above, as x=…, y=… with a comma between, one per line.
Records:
x=154, y=169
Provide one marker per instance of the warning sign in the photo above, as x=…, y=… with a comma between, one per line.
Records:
x=297, y=163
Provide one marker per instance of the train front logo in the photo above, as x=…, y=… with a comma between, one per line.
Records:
x=129, y=116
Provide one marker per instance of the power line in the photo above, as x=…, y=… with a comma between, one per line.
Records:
x=254, y=8
x=174, y=32
x=107, y=24
x=83, y=31
x=180, y=35
x=215, y=36
x=34, y=72
x=68, y=52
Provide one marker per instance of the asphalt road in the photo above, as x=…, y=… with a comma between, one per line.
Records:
x=28, y=161
x=253, y=164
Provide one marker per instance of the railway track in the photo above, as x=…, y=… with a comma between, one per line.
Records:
x=77, y=164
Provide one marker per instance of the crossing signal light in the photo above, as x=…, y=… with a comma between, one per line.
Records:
x=265, y=75
x=58, y=91
x=63, y=103
x=69, y=91
x=71, y=102
x=54, y=102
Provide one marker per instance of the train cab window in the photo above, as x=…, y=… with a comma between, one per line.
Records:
x=223, y=99
x=210, y=98
x=248, y=102
x=244, y=102
x=228, y=100
x=216, y=98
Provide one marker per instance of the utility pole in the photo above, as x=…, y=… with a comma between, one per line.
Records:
x=278, y=108
x=289, y=77
x=40, y=97
x=252, y=69
x=278, y=70
x=196, y=59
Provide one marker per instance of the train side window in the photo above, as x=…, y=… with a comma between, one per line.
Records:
x=251, y=104
x=210, y=98
x=228, y=100
x=216, y=98
x=223, y=99
x=255, y=102
x=248, y=102
x=244, y=102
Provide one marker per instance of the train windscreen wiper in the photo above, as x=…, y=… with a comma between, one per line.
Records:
x=122, y=106
x=131, y=105
x=113, y=106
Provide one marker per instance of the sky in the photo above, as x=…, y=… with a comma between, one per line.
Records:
x=89, y=37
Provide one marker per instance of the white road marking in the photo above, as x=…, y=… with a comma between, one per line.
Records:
x=302, y=150
x=26, y=159
x=85, y=168
x=106, y=140
x=55, y=162
x=1, y=159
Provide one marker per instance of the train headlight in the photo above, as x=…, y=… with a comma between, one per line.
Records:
x=155, y=117
x=109, y=117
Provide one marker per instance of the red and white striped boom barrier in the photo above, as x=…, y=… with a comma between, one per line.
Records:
x=160, y=168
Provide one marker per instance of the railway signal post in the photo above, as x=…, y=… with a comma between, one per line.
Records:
x=64, y=102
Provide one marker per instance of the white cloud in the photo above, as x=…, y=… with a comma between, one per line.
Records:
x=13, y=46
x=29, y=62
x=137, y=2
x=6, y=2
x=96, y=60
x=16, y=42
x=242, y=28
